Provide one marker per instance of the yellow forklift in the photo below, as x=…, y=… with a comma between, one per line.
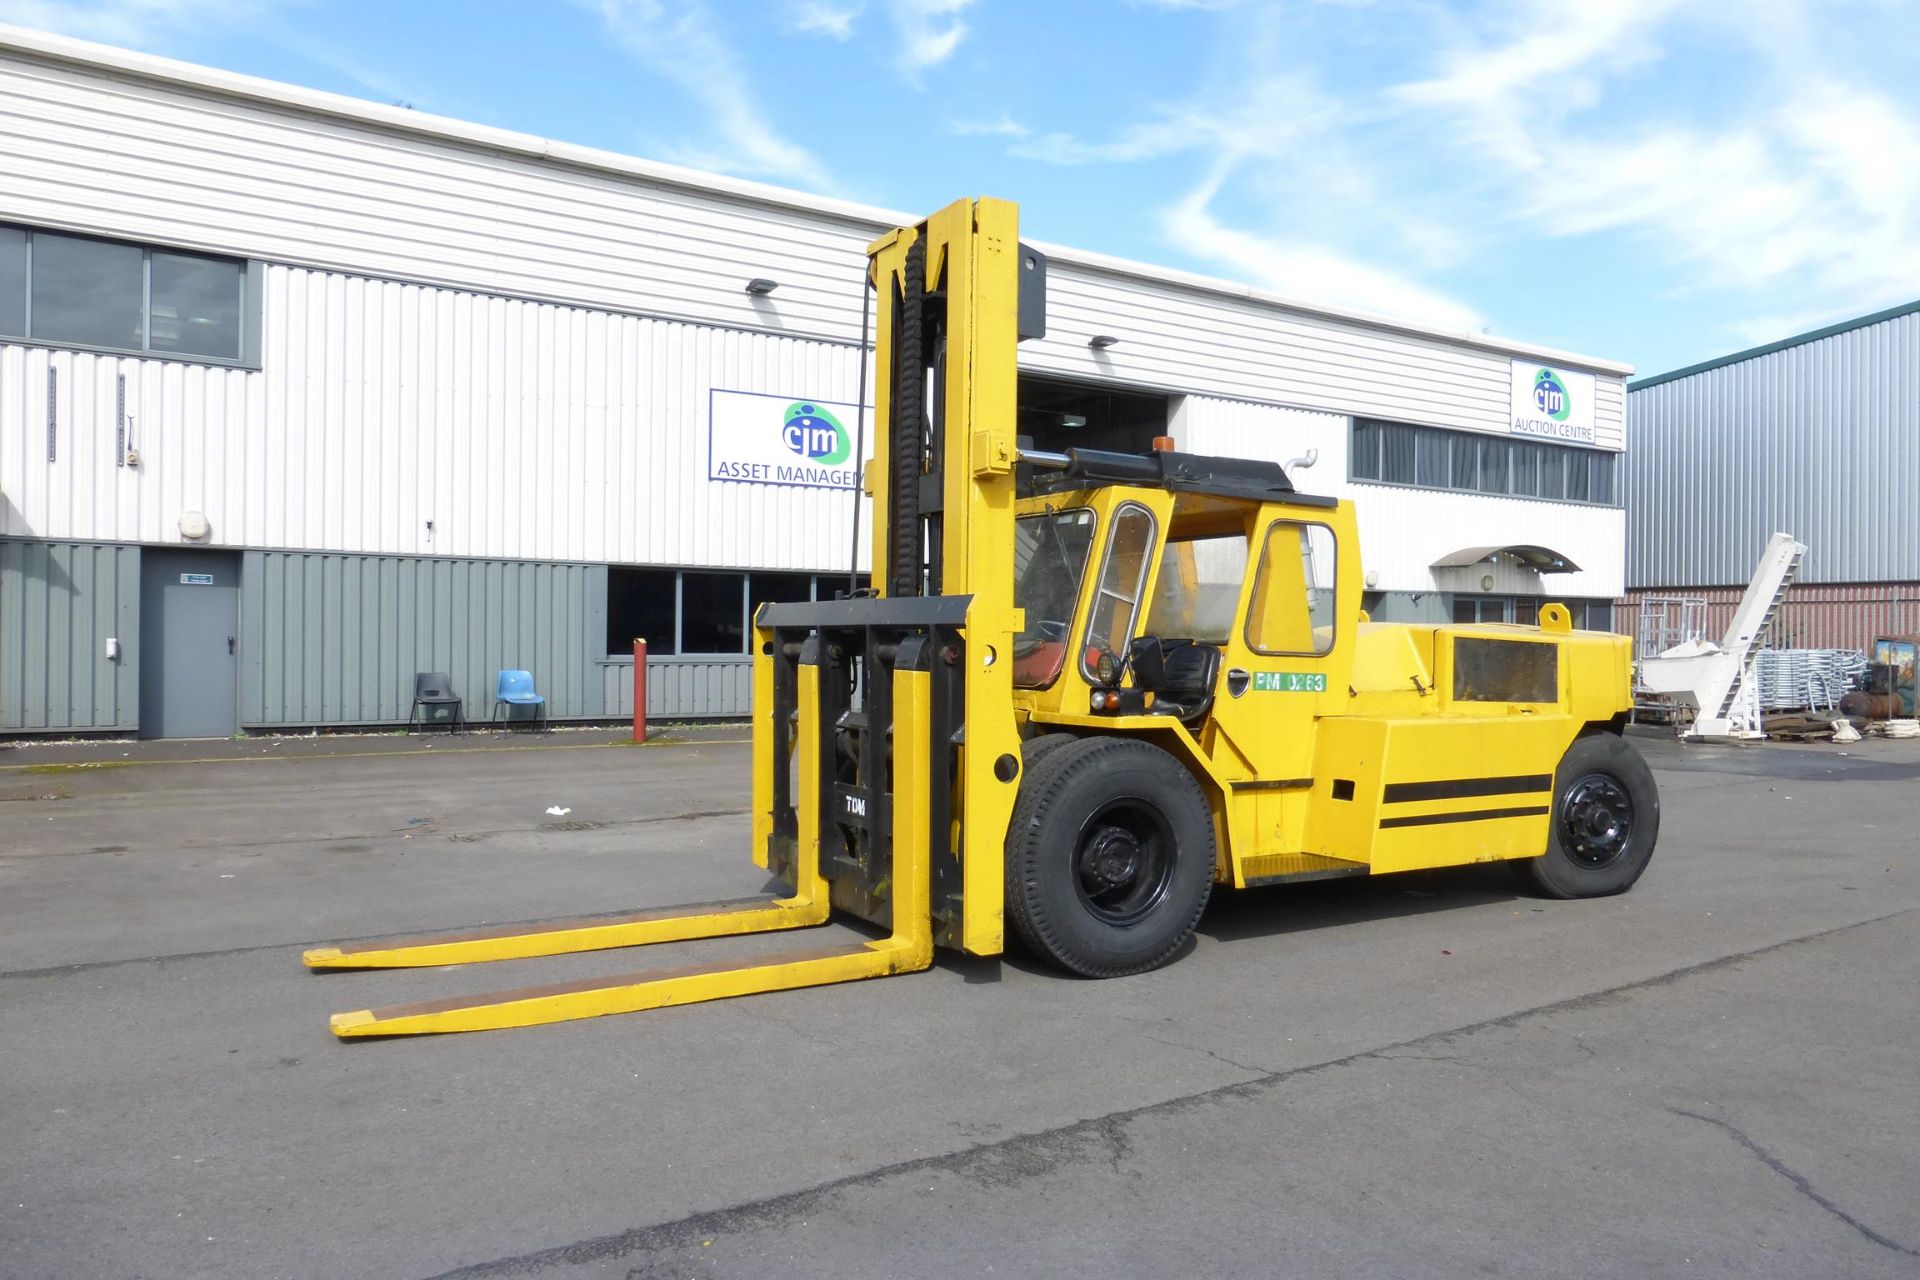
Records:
x=1086, y=688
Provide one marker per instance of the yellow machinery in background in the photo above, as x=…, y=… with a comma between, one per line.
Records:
x=1086, y=688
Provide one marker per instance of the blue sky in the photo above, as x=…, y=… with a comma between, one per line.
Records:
x=1656, y=181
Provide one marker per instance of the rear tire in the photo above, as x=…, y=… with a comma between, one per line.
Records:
x=1605, y=820
x=1110, y=857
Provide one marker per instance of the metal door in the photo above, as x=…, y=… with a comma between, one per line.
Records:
x=190, y=631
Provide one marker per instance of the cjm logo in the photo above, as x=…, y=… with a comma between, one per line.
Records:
x=812, y=432
x=1550, y=395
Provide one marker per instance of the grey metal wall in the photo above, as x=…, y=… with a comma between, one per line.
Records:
x=683, y=688
x=59, y=602
x=1820, y=439
x=331, y=639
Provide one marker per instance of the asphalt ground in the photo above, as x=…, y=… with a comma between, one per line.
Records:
x=1429, y=1075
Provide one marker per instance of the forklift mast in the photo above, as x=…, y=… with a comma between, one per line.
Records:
x=951, y=296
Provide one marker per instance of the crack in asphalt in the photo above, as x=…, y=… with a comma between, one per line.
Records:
x=1799, y=1181
x=1219, y=1058
x=1023, y=1156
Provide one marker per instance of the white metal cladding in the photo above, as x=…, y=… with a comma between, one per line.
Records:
x=59, y=604
x=145, y=159
x=394, y=418
x=337, y=639
x=240, y=166
x=1404, y=530
x=1184, y=340
x=1821, y=440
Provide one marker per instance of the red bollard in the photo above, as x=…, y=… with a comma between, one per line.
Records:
x=639, y=690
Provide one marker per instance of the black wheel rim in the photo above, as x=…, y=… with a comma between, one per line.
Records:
x=1596, y=821
x=1123, y=862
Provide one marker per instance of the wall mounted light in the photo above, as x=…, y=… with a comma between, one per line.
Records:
x=760, y=286
x=1101, y=341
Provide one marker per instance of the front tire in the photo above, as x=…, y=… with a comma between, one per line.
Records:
x=1110, y=857
x=1605, y=820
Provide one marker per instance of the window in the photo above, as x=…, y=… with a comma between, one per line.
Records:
x=13, y=282
x=87, y=292
x=1049, y=564
x=79, y=291
x=1292, y=608
x=691, y=611
x=1430, y=459
x=640, y=604
x=779, y=588
x=713, y=612
x=1473, y=462
x=1197, y=589
x=1122, y=579
x=1396, y=454
x=1466, y=463
x=196, y=305
x=1366, y=450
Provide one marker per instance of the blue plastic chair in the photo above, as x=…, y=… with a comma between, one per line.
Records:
x=515, y=689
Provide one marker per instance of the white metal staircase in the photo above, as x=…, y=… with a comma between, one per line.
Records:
x=1722, y=685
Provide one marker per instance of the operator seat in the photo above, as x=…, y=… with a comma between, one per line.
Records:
x=1181, y=673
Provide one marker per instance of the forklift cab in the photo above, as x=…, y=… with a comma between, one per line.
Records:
x=1162, y=609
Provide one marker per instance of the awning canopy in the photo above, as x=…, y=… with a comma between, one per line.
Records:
x=1539, y=559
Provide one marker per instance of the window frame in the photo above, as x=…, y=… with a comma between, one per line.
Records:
x=251, y=307
x=1371, y=437
x=1253, y=590
x=1148, y=563
x=824, y=582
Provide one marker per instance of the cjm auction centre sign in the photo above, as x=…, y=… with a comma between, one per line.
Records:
x=790, y=440
x=1550, y=402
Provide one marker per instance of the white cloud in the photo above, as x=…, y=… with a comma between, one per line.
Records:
x=929, y=31
x=1817, y=196
x=1310, y=272
x=133, y=24
x=1005, y=127
x=820, y=19
x=1275, y=148
x=1564, y=43
x=679, y=42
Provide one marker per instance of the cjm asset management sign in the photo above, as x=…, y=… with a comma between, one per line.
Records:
x=1553, y=403
x=791, y=440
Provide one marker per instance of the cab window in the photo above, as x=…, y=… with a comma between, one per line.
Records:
x=1049, y=564
x=1293, y=591
x=1197, y=589
x=1123, y=577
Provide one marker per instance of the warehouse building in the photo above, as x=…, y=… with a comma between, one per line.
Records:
x=1817, y=436
x=301, y=396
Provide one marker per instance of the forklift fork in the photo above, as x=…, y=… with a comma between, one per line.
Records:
x=906, y=886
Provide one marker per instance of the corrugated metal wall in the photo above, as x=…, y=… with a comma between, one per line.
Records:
x=59, y=603
x=337, y=639
x=1404, y=530
x=1821, y=440
x=1813, y=616
x=683, y=688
